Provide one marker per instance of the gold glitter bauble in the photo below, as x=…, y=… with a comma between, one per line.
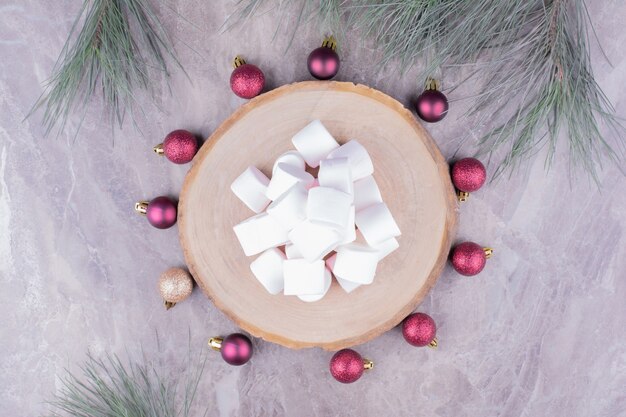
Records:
x=175, y=285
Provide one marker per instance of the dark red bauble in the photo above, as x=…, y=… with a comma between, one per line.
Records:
x=323, y=63
x=180, y=146
x=468, y=258
x=236, y=349
x=468, y=174
x=161, y=212
x=431, y=106
x=347, y=365
x=419, y=329
x=247, y=81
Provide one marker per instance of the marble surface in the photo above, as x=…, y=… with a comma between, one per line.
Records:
x=541, y=332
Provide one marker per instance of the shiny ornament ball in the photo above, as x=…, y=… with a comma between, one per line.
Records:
x=247, y=81
x=323, y=63
x=161, y=212
x=236, y=349
x=431, y=106
x=180, y=146
x=468, y=258
x=468, y=174
x=346, y=366
x=175, y=285
x=419, y=329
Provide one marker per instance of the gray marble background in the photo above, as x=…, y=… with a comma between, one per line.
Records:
x=541, y=332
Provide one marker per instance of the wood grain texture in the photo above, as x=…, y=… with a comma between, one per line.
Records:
x=414, y=181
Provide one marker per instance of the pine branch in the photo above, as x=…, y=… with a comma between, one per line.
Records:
x=106, y=58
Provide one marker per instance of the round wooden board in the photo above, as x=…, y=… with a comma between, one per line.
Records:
x=409, y=169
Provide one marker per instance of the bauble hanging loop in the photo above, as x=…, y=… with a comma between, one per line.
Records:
x=236, y=349
x=323, y=62
x=469, y=258
x=247, y=80
x=419, y=329
x=161, y=211
x=179, y=146
x=175, y=285
x=347, y=366
x=432, y=105
x=468, y=175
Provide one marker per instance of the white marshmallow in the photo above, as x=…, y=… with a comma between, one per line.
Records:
x=335, y=173
x=259, y=233
x=250, y=187
x=329, y=206
x=349, y=234
x=292, y=158
x=348, y=286
x=356, y=263
x=290, y=208
x=386, y=247
x=268, y=269
x=314, y=143
x=327, y=281
x=314, y=240
x=304, y=278
x=366, y=193
x=285, y=177
x=292, y=252
x=360, y=162
x=376, y=224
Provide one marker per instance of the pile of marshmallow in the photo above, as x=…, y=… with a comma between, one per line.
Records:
x=312, y=217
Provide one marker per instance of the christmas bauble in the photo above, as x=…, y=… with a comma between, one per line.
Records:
x=468, y=174
x=161, y=212
x=469, y=258
x=247, y=80
x=419, y=329
x=431, y=106
x=175, y=285
x=323, y=63
x=179, y=146
x=347, y=366
x=236, y=349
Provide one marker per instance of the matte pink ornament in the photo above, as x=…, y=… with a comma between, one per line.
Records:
x=179, y=146
x=431, y=106
x=468, y=174
x=469, y=258
x=347, y=366
x=247, y=80
x=161, y=211
x=323, y=63
x=419, y=329
x=236, y=349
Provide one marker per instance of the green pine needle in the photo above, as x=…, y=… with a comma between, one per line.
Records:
x=534, y=55
x=106, y=58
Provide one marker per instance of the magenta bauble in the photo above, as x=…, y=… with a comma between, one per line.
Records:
x=236, y=349
x=323, y=63
x=431, y=106
x=347, y=366
x=419, y=329
x=247, y=81
x=469, y=258
x=180, y=146
x=468, y=174
x=161, y=212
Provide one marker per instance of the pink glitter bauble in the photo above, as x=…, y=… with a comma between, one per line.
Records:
x=180, y=146
x=468, y=174
x=468, y=258
x=161, y=212
x=236, y=349
x=431, y=106
x=346, y=366
x=247, y=81
x=419, y=329
x=323, y=63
